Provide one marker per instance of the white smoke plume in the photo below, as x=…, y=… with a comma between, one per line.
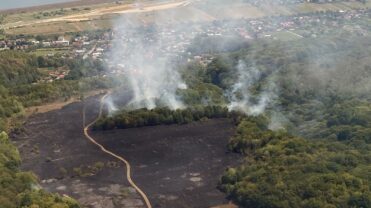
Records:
x=240, y=96
x=278, y=121
x=109, y=103
x=141, y=54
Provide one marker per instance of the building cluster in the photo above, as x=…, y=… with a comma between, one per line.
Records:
x=74, y=45
x=174, y=42
x=310, y=25
x=16, y=44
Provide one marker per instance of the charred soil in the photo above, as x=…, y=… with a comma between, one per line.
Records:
x=176, y=165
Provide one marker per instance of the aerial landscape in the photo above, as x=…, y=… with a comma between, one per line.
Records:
x=185, y=104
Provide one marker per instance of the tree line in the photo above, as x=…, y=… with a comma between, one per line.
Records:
x=158, y=116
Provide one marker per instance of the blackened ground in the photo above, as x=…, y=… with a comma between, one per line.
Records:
x=177, y=165
x=54, y=147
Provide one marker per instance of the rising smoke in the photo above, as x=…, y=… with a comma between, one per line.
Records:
x=144, y=55
x=240, y=96
x=140, y=53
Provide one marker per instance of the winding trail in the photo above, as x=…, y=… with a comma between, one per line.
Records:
x=127, y=164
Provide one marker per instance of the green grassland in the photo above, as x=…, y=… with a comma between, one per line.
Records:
x=47, y=51
x=51, y=13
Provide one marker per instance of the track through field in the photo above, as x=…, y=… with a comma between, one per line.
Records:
x=127, y=164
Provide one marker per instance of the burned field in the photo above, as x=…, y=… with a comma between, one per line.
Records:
x=53, y=146
x=176, y=165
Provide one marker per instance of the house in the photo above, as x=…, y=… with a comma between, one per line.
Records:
x=46, y=44
x=62, y=43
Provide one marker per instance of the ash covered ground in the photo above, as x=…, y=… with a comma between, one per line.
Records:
x=176, y=166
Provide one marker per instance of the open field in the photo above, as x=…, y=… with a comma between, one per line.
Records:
x=102, y=16
x=58, y=105
x=70, y=4
x=46, y=51
x=92, y=14
x=176, y=166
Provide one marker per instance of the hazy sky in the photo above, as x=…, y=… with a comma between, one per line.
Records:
x=11, y=4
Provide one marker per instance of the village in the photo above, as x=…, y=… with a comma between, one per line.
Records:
x=178, y=41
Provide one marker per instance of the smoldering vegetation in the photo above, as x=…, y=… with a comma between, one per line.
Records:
x=299, y=96
x=152, y=77
x=296, y=83
x=219, y=63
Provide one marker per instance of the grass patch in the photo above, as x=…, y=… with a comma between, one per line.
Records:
x=46, y=51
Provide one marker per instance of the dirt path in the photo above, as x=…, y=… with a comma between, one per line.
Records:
x=127, y=164
x=57, y=105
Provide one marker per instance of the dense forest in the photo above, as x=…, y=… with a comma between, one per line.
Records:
x=282, y=170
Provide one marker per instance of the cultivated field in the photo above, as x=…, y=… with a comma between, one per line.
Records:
x=102, y=16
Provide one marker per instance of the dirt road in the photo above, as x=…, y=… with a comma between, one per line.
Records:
x=127, y=164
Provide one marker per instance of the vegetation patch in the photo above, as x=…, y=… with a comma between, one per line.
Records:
x=287, y=171
x=158, y=116
x=20, y=189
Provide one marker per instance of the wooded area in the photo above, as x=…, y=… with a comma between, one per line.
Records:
x=20, y=87
x=319, y=156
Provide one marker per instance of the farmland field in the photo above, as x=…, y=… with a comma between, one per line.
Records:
x=100, y=16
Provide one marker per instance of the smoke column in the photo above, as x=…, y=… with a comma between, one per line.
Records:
x=144, y=54
x=240, y=96
x=141, y=54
